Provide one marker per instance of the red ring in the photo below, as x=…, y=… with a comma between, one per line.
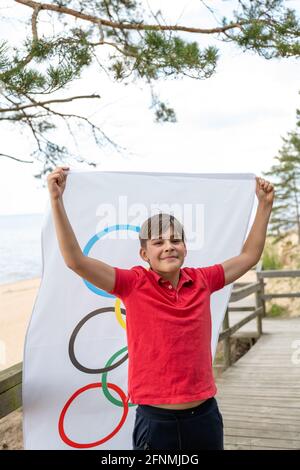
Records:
x=62, y=433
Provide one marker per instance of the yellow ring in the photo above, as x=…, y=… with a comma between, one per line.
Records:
x=119, y=314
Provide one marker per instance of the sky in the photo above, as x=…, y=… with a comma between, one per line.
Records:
x=233, y=122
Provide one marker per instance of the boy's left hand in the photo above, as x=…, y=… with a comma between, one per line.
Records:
x=264, y=191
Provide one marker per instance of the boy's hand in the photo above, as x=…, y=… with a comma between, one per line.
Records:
x=57, y=182
x=264, y=191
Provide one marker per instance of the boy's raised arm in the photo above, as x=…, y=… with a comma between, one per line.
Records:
x=98, y=273
x=253, y=247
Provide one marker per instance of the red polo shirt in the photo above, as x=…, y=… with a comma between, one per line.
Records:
x=168, y=333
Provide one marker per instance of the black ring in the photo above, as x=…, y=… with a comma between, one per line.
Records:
x=72, y=356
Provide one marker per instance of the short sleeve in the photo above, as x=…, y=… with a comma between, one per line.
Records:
x=125, y=282
x=214, y=276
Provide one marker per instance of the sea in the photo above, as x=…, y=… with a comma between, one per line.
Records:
x=20, y=247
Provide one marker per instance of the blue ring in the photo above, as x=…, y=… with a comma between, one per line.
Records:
x=91, y=243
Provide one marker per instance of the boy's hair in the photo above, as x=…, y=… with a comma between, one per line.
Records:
x=157, y=225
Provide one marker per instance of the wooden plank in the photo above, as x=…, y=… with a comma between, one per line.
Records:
x=280, y=296
x=280, y=273
x=10, y=377
x=239, y=422
x=10, y=400
x=255, y=362
x=257, y=407
x=245, y=334
x=263, y=433
x=10, y=389
x=229, y=331
x=271, y=371
x=269, y=420
x=251, y=376
x=260, y=412
x=242, y=292
x=241, y=309
x=249, y=399
x=252, y=441
x=226, y=341
x=267, y=388
x=269, y=355
x=243, y=388
x=260, y=393
x=267, y=365
x=228, y=446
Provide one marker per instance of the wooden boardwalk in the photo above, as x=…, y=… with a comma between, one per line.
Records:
x=259, y=396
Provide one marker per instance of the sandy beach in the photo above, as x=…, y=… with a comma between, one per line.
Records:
x=16, y=304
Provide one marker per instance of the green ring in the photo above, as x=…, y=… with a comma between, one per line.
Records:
x=104, y=380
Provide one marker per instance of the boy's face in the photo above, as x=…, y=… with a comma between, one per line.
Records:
x=164, y=254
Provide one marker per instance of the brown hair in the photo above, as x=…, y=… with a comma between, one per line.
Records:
x=157, y=225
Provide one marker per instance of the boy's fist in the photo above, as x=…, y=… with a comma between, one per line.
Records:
x=264, y=191
x=57, y=181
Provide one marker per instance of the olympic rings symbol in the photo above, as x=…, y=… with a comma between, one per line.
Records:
x=110, y=365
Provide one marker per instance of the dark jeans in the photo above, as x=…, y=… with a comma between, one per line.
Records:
x=198, y=428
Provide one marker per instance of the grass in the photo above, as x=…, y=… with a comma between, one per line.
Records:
x=276, y=311
x=271, y=259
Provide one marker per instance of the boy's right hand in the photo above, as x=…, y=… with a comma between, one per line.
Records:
x=57, y=182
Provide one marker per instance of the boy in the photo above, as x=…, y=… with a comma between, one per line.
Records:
x=168, y=322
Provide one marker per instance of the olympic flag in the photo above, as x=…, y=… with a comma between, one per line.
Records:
x=75, y=357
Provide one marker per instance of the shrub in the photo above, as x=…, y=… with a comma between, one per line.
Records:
x=276, y=311
x=271, y=259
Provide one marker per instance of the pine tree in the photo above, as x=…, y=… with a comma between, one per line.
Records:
x=136, y=45
x=285, y=174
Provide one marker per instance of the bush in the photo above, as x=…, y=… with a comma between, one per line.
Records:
x=276, y=311
x=271, y=259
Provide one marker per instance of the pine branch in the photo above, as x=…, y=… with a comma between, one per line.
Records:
x=15, y=158
x=129, y=26
x=43, y=103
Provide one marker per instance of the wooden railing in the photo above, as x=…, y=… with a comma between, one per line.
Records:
x=10, y=389
x=11, y=379
x=243, y=290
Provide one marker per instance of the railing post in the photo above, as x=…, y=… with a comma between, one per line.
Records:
x=258, y=299
x=226, y=342
x=259, y=317
x=260, y=279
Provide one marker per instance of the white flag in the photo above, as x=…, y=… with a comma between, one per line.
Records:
x=75, y=358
